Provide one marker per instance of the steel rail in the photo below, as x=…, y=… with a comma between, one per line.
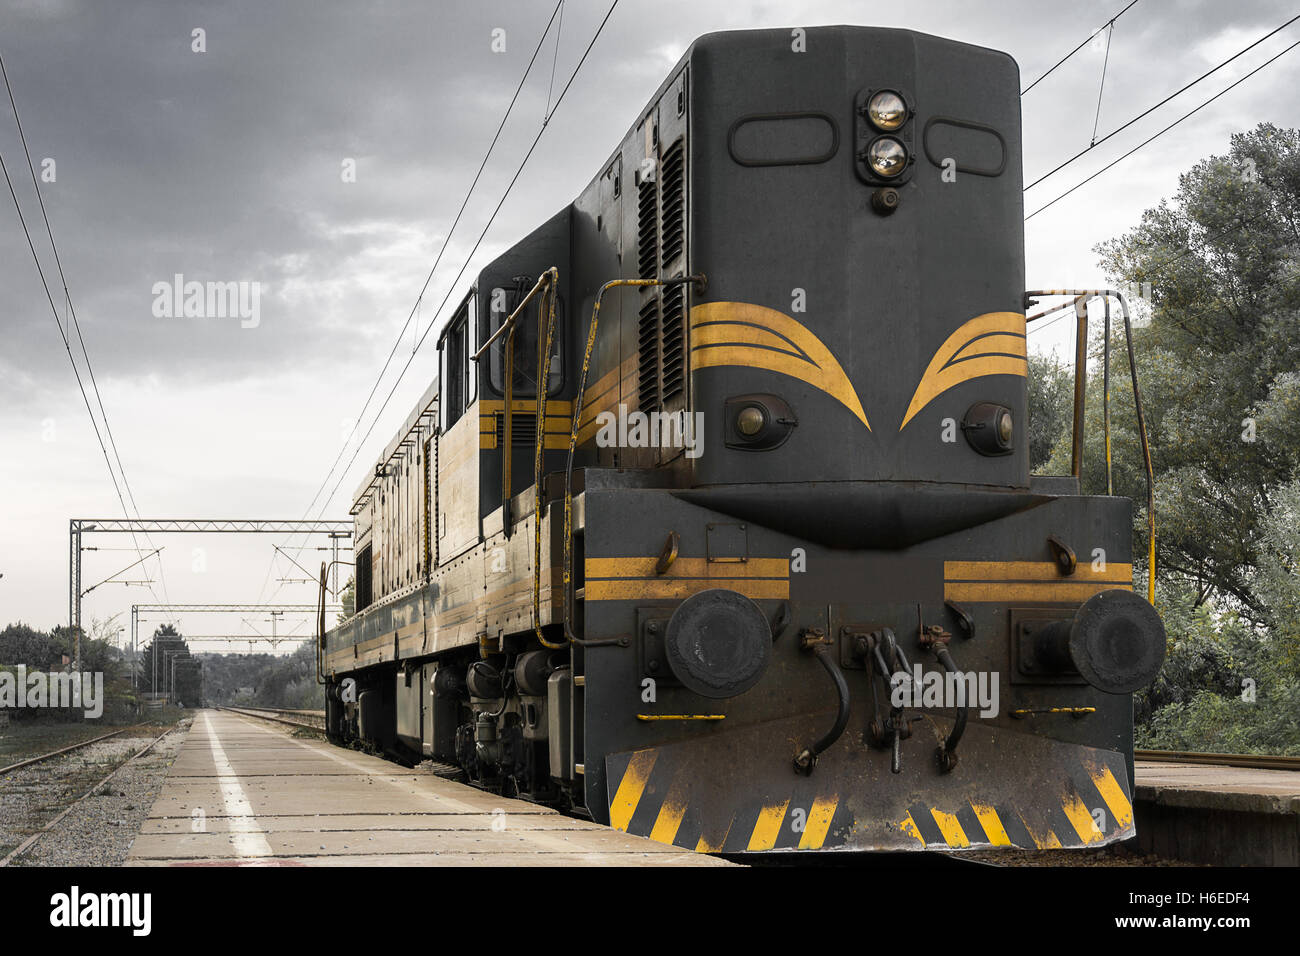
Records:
x=27, y=844
x=1254, y=761
x=62, y=750
x=265, y=715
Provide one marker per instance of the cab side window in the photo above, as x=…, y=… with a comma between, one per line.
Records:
x=457, y=371
x=528, y=328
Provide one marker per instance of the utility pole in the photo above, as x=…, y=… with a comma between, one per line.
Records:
x=78, y=526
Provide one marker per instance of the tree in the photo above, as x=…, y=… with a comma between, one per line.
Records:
x=156, y=667
x=1218, y=365
x=1050, y=406
x=21, y=644
x=349, y=599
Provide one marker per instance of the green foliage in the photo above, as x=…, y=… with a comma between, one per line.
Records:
x=1221, y=394
x=156, y=672
x=1225, y=687
x=275, y=680
x=349, y=599
x=21, y=644
x=1223, y=261
x=1051, y=386
x=51, y=651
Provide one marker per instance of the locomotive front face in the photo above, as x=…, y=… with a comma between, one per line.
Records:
x=856, y=204
x=859, y=360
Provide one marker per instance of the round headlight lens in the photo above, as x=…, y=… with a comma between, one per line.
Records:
x=887, y=157
x=750, y=421
x=887, y=110
x=1004, y=427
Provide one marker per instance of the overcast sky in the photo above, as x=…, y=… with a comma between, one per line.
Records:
x=226, y=165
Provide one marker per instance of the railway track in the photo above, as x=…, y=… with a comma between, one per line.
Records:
x=53, y=823
x=62, y=750
x=1252, y=761
x=315, y=718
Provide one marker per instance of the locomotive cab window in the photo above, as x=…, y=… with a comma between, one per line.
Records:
x=457, y=371
x=530, y=332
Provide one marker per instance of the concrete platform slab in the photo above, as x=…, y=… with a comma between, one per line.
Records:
x=1228, y=816
x=242, y=793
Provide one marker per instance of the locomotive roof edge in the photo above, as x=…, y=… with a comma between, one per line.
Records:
x=427, y=401
x=715, y=36
x=704, y=40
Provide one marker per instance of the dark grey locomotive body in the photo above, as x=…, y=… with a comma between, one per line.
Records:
x=815, y=599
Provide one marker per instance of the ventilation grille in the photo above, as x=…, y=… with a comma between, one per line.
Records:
x=674, y=324
x=647, y=229
x=674, y=203
x=523, y=429
x=364, y=589
x=648, y=355
x=661, y=326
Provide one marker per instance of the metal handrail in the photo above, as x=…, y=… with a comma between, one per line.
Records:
x=699, y=281
x=1080, y=304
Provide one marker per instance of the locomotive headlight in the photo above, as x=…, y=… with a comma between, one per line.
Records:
x=887, y=111
x=750, y=420
x=887, y=157
x=1004, y=426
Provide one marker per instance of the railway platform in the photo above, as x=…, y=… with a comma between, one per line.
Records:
x=243, y=793
x=1218, y=814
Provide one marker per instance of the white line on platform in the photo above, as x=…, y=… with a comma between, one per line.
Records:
x=245, y=833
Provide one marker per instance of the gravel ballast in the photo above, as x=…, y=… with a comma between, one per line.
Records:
x=100, y=829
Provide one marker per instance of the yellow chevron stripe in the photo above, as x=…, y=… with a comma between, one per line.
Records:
x=670, y=814
x=992, y=824
x=908, y=826
x=630, y=788
x=1081, y=819
x=1113, y=794
x=818, y=823
x=1043, y=839
x=706, y=845
x=734, y=333
x=768, y=827
x=974, y=350
x=953, y=834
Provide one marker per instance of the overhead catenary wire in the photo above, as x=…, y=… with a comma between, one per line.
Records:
x=1110, y=35
x=1092, y=36
x=441, y=251
x=415, y=309
x=1156, y=136
x=76, y=326
x=66, y=344
x=1147, y=112
x=491, y=219
x=555, y=59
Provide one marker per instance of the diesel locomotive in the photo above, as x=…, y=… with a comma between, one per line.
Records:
x=717, y=524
